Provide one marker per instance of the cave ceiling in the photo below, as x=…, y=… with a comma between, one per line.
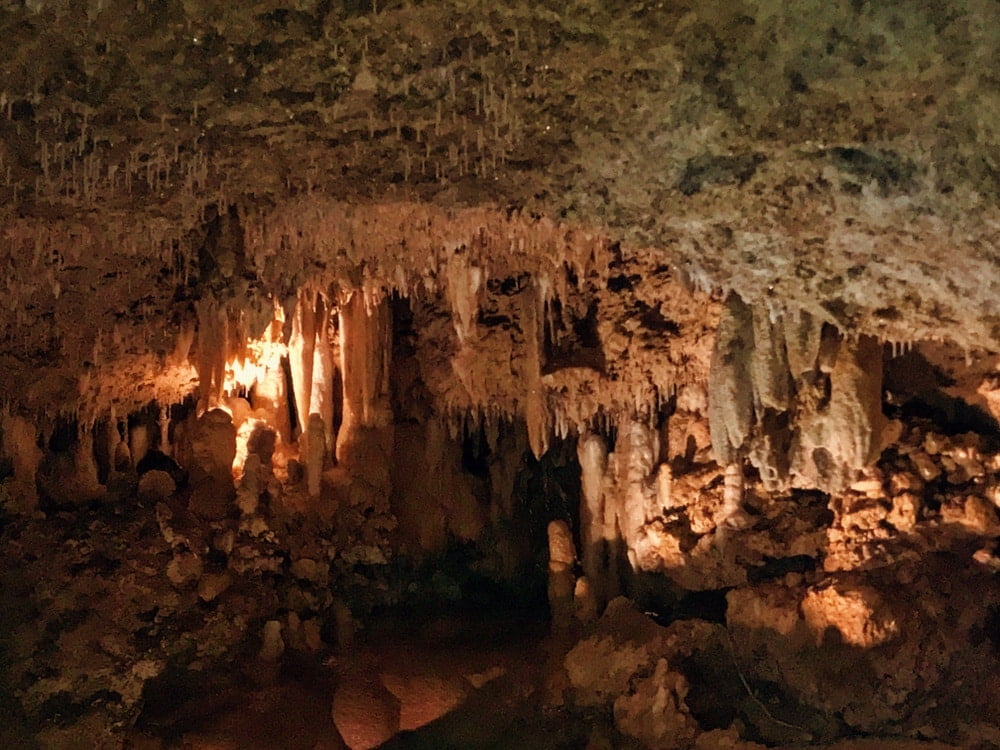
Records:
x=838, y=158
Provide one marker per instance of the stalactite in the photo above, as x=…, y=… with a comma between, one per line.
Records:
x=464, y=281
x=321, y=395
x=213, y=336
x=731, y=515
x=802, y=340
x=365, y=355
x=302, y=357
x=769, y=362
x=730, y=397
x=536, y=413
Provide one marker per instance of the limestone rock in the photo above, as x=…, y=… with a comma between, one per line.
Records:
x=655, y=714
x=184, y=569
x=212, y=585
x=624, y=642
x=365, y=712
x=905, y=511
x=857, y=614
x=212, y=450
x=156, y=486
x=424, y=698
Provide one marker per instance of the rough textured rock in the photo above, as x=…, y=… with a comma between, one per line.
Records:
x=655, y=714
x=156, y=486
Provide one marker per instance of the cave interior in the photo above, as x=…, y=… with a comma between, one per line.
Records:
x=426, y=373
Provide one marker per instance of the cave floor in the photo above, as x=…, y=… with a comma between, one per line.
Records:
x=461, y=682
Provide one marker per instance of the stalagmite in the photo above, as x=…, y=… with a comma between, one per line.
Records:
x=211, y=453
x=730, y=394
x=138, y=442
x=113, y=438
x=592, y=454
x=562, y=581
x=585, y=602
x=122, y=454
x=315, y=453
x=21, y=446
x=164, y=424
x=85, y=476
x=271, y=400
x=248, y=493
x=635, y=498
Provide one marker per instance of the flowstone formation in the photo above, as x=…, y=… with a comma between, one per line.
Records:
x=673, y=326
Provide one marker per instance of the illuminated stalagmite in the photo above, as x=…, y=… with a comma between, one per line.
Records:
x=595, y=535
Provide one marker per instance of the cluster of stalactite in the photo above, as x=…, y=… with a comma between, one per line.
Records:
x=307, y=391
x=795, y=397
x=275, y=387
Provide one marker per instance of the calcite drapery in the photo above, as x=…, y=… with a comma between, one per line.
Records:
x=800, y=401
